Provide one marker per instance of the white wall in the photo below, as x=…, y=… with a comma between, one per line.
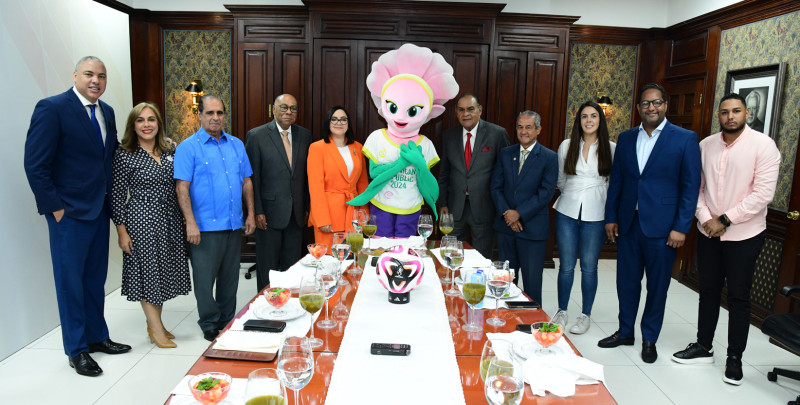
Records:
x=40, y=41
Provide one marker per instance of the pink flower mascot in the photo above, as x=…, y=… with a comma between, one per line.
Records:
x=409, y=87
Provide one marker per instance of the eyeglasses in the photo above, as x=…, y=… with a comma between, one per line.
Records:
x=656, y=103
x=335, y=120
x=285, y=108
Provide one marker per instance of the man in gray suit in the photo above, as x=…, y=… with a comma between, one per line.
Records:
x=468, y=155
x=278, y=151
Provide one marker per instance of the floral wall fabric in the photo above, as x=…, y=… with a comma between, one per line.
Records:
x=610, y=69
x=761, y=43
x=189, y=55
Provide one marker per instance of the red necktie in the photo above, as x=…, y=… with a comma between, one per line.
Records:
x=468, y=151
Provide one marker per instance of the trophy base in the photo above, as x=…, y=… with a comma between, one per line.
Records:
x=399, y=298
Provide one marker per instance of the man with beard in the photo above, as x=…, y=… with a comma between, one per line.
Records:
x=740, y=173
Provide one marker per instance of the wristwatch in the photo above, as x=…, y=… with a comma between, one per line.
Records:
x=724, y=220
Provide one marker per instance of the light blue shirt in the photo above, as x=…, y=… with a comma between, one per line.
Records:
x=216, y=171
x=645, y=144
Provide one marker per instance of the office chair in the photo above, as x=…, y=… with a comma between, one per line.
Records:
x=785, y=330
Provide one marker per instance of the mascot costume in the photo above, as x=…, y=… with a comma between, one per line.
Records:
x=409, y=87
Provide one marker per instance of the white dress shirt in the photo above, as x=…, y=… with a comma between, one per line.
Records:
x=289, y=130
x=474, y=132
x=585, y=192
x=98, y=112
x=645, y=143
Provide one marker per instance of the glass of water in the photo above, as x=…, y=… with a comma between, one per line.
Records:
x=504, y=382
x=295, y=365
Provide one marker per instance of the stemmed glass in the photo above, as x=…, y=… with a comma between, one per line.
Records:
x=326, y=278
x=311, y=299
x=340, y=249
x=317, y=250
x=359, y=219
x=453, y=257
x=496, y=348
x=356, y=242
x=425, y=228
x=277, y=297
x=444, y=247
x=474, y=291
x=264, y=387
x=446, y=223
x=370, y=228
x=504, y=382
x=499, y=279
x=295, y=364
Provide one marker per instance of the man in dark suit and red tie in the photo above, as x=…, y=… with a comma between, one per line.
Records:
x=469, y=151
x=68, y=152
x=652, y=196
x=523, y=184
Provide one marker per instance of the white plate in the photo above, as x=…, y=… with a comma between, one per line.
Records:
x=527, y=349
x=292, y=308
x=184, y=400
x=309, y=261
x=513, y=290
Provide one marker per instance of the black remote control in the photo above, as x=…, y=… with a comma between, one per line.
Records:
x=390, y=349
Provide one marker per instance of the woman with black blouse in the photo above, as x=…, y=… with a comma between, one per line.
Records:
x=149, y=223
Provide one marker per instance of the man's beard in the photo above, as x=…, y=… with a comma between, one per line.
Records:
x=732, y=131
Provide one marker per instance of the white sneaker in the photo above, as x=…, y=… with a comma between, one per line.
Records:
x=560, y=318
x=581, y=325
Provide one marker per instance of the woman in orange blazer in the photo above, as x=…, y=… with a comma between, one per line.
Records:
x=336, y=174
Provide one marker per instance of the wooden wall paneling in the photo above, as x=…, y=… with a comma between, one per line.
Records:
x=334, y=80
x=254, y=84
x=369, y=52
x=544, y=94
x=147, y=69
x=685, y=95
x=293, y=76
x=506, y=89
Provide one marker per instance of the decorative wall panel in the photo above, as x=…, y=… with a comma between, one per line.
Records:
x=188, y=55
x=607, y=68
x=763, y=43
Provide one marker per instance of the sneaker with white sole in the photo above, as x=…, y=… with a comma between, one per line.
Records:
x=733, y=371
x=694, y=354
x=581, y=325
x=560, y=318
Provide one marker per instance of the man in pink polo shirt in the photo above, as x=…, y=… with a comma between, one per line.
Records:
x=740, y=172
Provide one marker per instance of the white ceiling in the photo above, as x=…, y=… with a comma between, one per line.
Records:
x=619, y=13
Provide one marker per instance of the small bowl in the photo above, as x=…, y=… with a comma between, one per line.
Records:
x=546, y=339
x=214, y=395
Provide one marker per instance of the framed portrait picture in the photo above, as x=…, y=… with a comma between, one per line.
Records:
x=762, y=89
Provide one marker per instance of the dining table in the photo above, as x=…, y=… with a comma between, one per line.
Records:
x=468, y=347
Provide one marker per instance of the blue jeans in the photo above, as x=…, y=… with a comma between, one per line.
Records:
x=572, y=235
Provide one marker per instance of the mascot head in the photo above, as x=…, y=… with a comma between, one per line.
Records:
x=409, y=86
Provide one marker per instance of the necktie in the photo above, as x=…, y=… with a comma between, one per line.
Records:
x=522, y=160
x=468, y=150
x=287, y=146
x=96, y=125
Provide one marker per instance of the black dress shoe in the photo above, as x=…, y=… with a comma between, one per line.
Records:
x=109, y=347
x=85, y=365
x=649, y=353
x=615, y=340
x=210, y=335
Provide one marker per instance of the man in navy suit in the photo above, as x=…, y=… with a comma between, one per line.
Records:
x=523, y=183
x=68, y=153
x=652, y=196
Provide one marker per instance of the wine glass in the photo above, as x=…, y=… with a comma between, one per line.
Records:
x=327, y=280
x=454, y=256
x=295, y=364
x=444, y=246
x=317, y=250
x=341, y=250
x=498, y=280
x=546, y=334
x=311, y=299
x=359, y=219
x=356, y=242
x=264, y=387
x=446, y=223
x=474, y=291
x=495, y=348
x=504, y=381
x=425, y=228
x=277, y=297
x=370, y=228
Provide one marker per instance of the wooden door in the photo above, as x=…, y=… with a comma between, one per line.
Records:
x=254, y=80
x=686, y=103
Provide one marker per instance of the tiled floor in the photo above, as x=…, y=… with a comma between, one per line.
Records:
x=39, y=373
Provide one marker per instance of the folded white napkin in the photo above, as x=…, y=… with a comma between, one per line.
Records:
x=292, y=276
x=558, y=373
x=249, y=341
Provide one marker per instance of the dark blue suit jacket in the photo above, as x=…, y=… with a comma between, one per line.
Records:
x=528, y=192
x=667, y=188
x=66, y=165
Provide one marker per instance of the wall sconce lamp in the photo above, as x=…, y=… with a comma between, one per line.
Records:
x=606, y=103
x=195, y=88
